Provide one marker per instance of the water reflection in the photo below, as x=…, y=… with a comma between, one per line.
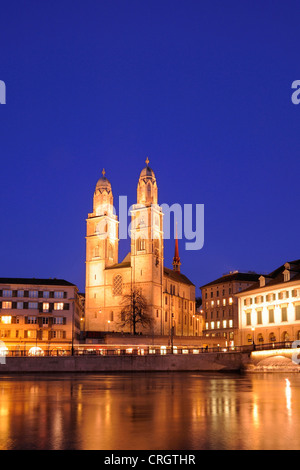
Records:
x=150, y=411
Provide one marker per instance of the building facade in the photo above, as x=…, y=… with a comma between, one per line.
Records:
x=269, y=311
x=220, y=306
x=39, y=315
x=169, y=294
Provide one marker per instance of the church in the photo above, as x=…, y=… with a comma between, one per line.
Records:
x=170, y=295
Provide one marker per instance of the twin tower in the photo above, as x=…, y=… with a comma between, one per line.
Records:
x=107, y=280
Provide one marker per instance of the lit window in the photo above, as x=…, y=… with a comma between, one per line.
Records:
x=6, y=304
x=206, y=326
x=45, y=307
x=212, y=303
x=218, y=324
x=58, y=306
x=230, y=300
x=31, y=333
x=6, y=319
x=224, y=324
x=230, y=324
x=212, y=325
x=224, y=302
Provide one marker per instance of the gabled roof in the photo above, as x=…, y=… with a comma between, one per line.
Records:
x=276, y=277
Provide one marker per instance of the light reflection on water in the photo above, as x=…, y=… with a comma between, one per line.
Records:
x=150, y=411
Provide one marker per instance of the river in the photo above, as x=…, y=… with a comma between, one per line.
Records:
x=150, y=411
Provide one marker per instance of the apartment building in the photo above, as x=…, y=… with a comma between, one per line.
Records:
x=220, y=306
x=269, y=310
x=39, y=316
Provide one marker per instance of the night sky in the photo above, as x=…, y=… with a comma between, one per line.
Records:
x=203, y=88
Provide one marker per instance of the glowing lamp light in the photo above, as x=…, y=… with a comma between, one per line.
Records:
x=35, y=351
x=3, y=349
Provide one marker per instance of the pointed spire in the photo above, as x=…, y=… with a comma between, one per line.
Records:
x=147, y=161
x=176, y=259
x=103, y=172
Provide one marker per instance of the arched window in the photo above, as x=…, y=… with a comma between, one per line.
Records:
x=285, y=336
x=141, y=244
x=117, y=285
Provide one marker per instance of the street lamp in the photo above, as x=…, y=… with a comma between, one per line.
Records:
x=253, y=329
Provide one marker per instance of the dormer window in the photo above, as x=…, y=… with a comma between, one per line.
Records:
x=287, y=275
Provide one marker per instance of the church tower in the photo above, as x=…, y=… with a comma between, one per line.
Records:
x=147, y=250
x=101, y=248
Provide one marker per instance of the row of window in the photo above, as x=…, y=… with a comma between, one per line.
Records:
x=219, y=324
x=181, y=303
x=272, y=297
x=9, y=319
x=33, y=334
x=218, y=293
x=218, y=302
x=33, y=294
x=212, y=314
x=43, y=306
x=271, y=317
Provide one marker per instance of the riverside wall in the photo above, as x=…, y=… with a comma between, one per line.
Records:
x=209, y=361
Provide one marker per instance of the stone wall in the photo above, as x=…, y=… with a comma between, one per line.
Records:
x=150, y=363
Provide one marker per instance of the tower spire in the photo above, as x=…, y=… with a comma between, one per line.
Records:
x=176, y=259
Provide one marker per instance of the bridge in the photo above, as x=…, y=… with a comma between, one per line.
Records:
x=284, y=356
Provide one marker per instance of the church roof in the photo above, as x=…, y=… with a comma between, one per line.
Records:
x=170, y=273
x=177, y=276
x=126, y=263
x=103, y=182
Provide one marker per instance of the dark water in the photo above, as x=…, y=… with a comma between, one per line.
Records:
x=158, y=411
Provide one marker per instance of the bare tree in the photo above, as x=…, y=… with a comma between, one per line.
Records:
x=135, y=311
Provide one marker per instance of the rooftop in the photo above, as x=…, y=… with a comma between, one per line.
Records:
x=276, y=277
x=35, y=281
x=234, y=276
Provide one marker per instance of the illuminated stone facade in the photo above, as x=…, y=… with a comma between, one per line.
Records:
x=39, y=313
x=269, y=311
x=220, y=306
x=170, y=295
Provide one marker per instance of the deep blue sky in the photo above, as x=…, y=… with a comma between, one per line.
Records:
x=201, y=87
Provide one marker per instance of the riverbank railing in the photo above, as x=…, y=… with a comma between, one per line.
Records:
x=139, y=350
